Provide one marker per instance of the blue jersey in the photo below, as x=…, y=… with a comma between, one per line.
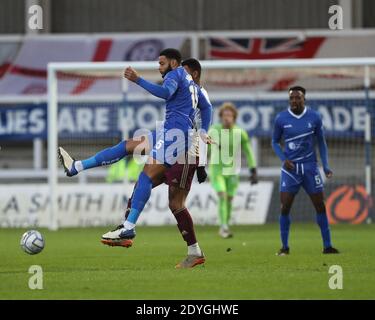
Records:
x=299, y=133
x=179, y=108
x=182, y=97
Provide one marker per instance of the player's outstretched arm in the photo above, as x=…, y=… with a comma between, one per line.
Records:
x=323, y=149
x=164, y=91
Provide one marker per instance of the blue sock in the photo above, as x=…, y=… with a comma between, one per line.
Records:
x=322, y=221
x=284, y=229
x=106, y=156
x=140, y=197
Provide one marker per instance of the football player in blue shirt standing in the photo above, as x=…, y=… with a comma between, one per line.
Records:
x=299, y=127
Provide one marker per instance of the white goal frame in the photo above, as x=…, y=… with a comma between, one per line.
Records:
x=55, y=67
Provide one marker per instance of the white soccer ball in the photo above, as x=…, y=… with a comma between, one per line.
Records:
x=32, y=242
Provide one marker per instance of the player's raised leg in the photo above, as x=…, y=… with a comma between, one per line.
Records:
x=152, y=171
x=156, y=182
x=124, y=242
x=104, y=157
x=322, y=221
x=128, y=242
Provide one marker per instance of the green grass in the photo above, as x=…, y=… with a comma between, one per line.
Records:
x=77, y=266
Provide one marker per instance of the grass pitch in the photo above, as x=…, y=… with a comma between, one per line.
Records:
x=77, y=266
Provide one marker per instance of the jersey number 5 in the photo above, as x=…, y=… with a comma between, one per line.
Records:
x=318, y=180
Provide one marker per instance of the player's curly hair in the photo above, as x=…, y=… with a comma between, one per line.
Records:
x=228, y=106
x=297, y=88
x=171, y=53
x=193, y=64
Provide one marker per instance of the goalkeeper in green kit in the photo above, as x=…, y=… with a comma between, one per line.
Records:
x=225, y=162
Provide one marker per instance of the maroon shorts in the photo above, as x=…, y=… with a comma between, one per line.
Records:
x=181, y=174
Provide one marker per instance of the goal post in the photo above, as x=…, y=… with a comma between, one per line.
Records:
x=259, y=81
x=52, y=145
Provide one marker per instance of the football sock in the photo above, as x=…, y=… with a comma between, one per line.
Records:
x=128, y=225
x=229, y=209
x=194, y=250
x=185, y=225
x=128, y=207
x=223, y=210
x=104, y=157
x=322, y=221
x=140, y=197
x=284, y=229
x=78, y=165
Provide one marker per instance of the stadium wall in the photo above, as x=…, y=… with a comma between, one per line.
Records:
x=172, y=15
x=72, y=16
x=12, y=15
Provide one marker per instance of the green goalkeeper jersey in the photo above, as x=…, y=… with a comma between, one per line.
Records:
x=225, y=156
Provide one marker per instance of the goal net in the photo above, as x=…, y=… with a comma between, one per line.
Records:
x=91, y=106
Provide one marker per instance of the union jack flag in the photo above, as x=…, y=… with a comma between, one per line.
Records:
x=267, y=48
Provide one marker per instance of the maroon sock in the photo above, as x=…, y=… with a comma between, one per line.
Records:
x=129, y=205
x=185, y=225
x=127, y=211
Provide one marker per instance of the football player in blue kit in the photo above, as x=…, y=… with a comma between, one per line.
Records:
x=300, y=127
x=170, y=140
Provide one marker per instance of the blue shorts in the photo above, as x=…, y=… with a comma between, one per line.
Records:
x=169, y=145
x=305, y=174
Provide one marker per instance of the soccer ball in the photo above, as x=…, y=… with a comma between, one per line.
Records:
x=32, y=242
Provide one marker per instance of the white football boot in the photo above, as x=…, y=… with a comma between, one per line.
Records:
x=67, y=162
x=119, y=237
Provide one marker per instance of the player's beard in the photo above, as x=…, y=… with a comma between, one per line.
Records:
x=166, y=71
